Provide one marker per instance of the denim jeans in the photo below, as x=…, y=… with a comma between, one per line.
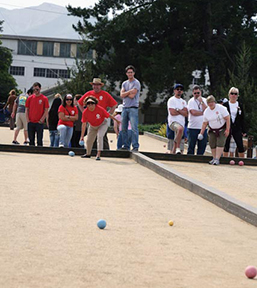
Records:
x=130, y=114
x=54, y=138
x=120, y=141
x=35, y=128
x=65, y=135
x=192, y=135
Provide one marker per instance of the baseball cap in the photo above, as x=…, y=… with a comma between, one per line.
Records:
x=178, y=86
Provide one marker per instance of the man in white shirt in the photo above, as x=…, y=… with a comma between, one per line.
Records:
x=196, y=106
x=177, y=112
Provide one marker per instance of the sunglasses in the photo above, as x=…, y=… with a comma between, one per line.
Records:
x=68, y=99
x=90, y=103
x=196, y=93
x=35, y=89
x=232, y=93
x=179, y=89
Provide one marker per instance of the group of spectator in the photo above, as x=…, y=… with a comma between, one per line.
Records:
x=225, y=121
x=70, y=118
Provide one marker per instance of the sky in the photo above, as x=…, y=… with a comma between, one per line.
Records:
x=14, y=4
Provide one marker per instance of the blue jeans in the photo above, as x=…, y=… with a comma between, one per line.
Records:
x=192, y=135
x=130, y=114
x=65, y=134
x=35, y=128
x=120, y=141
x=54, y=138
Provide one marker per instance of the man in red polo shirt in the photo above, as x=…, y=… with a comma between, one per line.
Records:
x=36, y=111
x=105, y=100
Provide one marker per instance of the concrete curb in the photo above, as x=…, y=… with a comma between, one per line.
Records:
x=219, y=198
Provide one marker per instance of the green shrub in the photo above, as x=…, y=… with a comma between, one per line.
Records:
x=152, y=128
x=162, y=130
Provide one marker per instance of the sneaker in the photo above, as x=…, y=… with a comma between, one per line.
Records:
x=25, y=142
x=134, y=150
x=85, y=156
x=211, y=162
x=61, y=146
x=15, y=142
x=216, y=162
x=178, y=151
x=98, y=158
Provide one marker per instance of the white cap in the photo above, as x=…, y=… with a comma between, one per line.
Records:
x=119, y=108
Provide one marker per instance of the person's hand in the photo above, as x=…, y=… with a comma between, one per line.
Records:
x=244, y=134
x=13, y=115
x=200, y=137
x=226, y=132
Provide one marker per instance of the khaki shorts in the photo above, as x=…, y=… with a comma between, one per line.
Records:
x=217, y=141
x=174, y=126
x=21, y=121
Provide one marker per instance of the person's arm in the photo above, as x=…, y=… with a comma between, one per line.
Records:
x=204, y=125
x=27, y=114
x=204, y=106
x=72, y=118
x=63, y=117
x=115, y=127
x=42, y=119
x=81, y=108
x=124, y=93
x=227, y=118
x=196, y=112
x=183, y=112
x=14, y=109
x=133, y=93
x=83, y=130
x=173, y=112
x=114, y=119
x=112, y=109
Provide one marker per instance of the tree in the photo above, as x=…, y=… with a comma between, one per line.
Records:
x=241, y=78
x=7, y=82
x=166, y=40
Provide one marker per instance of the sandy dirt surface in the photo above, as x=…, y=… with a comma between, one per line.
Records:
x=49, y=207
x=238, y=182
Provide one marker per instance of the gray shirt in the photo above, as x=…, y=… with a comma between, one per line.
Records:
x=20, y=101
x=127, y=85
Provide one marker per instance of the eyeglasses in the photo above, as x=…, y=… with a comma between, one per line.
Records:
x=68, y=99
x=196, y=93
x=90, y=103
x=179, y=89
x=232, y=93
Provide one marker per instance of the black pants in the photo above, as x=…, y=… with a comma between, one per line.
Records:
x=237, y=135
x=34, y=128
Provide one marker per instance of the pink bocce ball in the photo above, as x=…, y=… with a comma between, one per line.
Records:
x=250, y=272
x=241, y=163
x=232, y=162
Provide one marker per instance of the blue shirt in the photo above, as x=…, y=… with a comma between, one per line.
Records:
x=127, y=85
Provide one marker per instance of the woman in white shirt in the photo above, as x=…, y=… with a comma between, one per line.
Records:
x=217, y=118
x=238, y=129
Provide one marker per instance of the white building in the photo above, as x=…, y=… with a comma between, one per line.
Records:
x=41, y=59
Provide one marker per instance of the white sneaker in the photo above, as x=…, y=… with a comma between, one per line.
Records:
x=178, y=151
x=211, y=162
x=216, y=162
x=61, y=146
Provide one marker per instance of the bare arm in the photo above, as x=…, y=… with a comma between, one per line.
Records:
x=196, y=112
x=27, y=114
x=81, y=108
x=203, y=127
x=173, y=112
x=227, y=118
x=114, y=119
x=133, y=93
x=112, y=109
x=115, y=127
x=83, y=130
x=42, y=119
x=183, y=112
x=14, y=109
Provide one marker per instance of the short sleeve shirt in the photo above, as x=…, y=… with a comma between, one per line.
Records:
x=105, y=100
x=36, y=106
x=195, y=122
x=95, y=118
x=21, y=101
x=215, y=117
x=68, y=111
x=176, y=103
x=128, y=85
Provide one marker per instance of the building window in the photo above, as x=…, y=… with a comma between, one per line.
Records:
x=39, y=72
x=27, y=47
x=17, y=70
x=65, y=50
x=52, y=73
x=64, y=73
x=48, y=48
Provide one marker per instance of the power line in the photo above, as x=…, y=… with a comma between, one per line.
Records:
x=35, y=9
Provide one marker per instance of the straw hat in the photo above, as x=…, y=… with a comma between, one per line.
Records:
x=97, y=81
